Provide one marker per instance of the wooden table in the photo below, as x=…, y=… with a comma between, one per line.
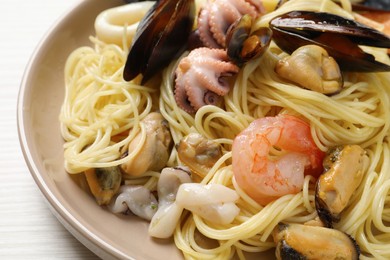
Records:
x=28, y=229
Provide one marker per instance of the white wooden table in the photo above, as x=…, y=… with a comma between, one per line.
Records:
x=28, y=230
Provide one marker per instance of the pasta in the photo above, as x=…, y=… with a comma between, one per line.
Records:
x=102, y=113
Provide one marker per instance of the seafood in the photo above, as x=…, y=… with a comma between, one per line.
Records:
x=154, y=153
x=109, y=24
x=297, y=241
x=168, y=214
x=104, y=183
x=317, y=70
x=201, y=78
x=265, y=179
x=380, y=20
x=243, y=45
x=339, y=36
x=162, y=34
x=198, y=153
x=344, y=167
x=372, y=5
x=137, y=199
x=374, y=13
x=217, y=16
x=214, y=202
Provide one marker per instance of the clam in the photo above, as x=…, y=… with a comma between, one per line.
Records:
x=198, y=153
x=162, y=35
x=297, y=241
x=344, y=168
x=104, y=183
x=242, y=44
x=317, y=70
x=339, y=36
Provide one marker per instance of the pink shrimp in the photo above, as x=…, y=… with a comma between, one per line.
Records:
x=265, y=179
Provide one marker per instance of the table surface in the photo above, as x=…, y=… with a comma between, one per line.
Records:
x=28, y=229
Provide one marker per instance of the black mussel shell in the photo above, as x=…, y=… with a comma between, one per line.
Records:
x=323, y=211
x=373, y=5
x=242, y=45
x=339, y=36
x=161, y=36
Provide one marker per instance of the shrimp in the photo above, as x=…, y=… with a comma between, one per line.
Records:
x=265, y=179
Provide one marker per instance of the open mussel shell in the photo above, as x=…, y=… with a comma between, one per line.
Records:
x=299, y=241
x=104, y=183
x=242, y=45
x=339, y=36
x=161, y=36
x=372, y=5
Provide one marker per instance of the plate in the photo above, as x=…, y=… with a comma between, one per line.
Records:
x=40, y=98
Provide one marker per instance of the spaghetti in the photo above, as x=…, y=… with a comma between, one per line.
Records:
x=102, y=113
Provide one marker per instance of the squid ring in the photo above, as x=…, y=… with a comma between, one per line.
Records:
x=110, y=24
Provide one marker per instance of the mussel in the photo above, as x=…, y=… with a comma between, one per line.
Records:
x=379, y=5
x=242, y=45
x=104, y=183
x=343, y=172
x=297, y=241
x=199, y=153
x=161, y=36
x=339, y=36
x=155, y=150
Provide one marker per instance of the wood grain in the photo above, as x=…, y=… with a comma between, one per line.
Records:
x=28, y=229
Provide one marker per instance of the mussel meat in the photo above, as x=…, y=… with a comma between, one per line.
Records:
x=155, y=150
x=103, y=183
x=297, y=241
x=199, y=153
x=161, y=36
x=242, y=45
x=344, y=169
x=339, y=36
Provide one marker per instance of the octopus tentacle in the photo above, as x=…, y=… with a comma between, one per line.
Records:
x=222, y=15
x=205, y=34
x=258, y=5
x=180, y=94
x=216, y=17
x=197, y=96
x=200, y=78
x=214, y=80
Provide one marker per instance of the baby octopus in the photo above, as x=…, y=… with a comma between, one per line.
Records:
x=216, y=17
x=201, y=78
